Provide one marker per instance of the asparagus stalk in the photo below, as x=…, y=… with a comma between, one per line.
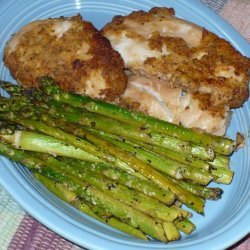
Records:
x=172, y=159
x=71, y=197
x=109, y=153
x=116, y=161
x=100, y=212
x=134, y=182
x=125, y=228
x=219, y=144
x=144, y=169
x=126, y=130
x=125, y=213
x=13, y=89
x=19, y=156
x=169, y=228
x=113, y=222
x=36, y=142
x=186, y=226
x=129, y=131
x=40, y=143
x=65, y=137
x=134, y=198
x=120, y=210
x=187, y=159
x=198, y=176
x=131, y=197
x=163, y=164
x=220, y=161
x=31, y=141
x=222, y=175
x=171, y=231
x=148, y=172
x=194, y=174
x=201, y=191
x=133, y=217
x=58, y=189
x=183, y=157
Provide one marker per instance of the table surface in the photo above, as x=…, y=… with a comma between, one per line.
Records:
x=19, y=231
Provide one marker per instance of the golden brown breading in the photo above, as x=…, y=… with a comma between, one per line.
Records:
x=158, y=45
x=69, y=50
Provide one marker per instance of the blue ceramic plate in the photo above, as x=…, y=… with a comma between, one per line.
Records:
x=225, y=222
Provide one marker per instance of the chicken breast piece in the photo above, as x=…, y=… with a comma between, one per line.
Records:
x=172, y=104
x=69, y=50
x=161, y=46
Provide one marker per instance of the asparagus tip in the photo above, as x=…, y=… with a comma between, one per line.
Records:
x=48, y=85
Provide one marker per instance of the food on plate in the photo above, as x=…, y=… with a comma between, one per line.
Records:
x=71, y=51
x=178, y=68
x=169, y=53
x=127, y=176
x=174, y=105
x=125, y=168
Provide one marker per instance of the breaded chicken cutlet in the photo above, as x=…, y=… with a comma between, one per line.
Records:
x=71, y=51
x=158, y=45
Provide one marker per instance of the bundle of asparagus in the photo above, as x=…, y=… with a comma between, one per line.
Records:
x=121, y=167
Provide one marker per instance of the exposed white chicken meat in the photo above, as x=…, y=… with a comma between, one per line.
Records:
x=174, y=105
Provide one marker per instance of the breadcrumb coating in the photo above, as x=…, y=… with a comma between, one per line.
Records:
x=71, y=51
x=157, y=44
